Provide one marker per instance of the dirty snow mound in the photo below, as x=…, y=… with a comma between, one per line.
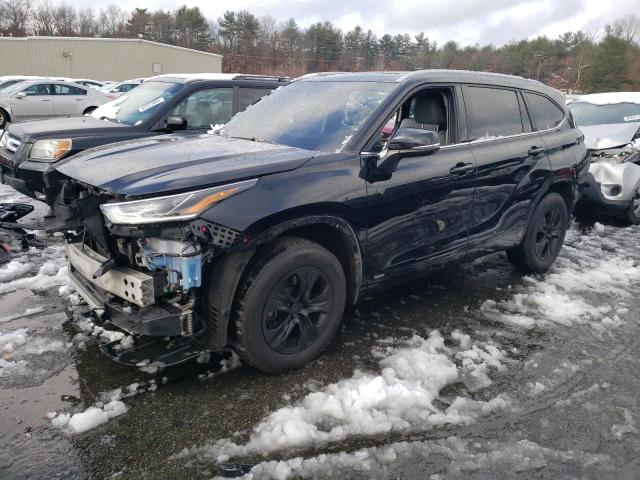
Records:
x=398, y=399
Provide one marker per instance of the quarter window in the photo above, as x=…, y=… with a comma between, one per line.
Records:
x=544, y=112
x=206, y=107
x=492, y=113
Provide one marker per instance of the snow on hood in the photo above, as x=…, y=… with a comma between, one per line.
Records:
x=610, y=98
x=599, y=137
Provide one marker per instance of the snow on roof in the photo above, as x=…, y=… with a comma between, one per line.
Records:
x=610, y=98
x=210, y=76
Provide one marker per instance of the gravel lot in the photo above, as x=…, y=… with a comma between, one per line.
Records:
x=479, y=372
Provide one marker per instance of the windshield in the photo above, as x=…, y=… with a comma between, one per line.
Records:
x=587, y=114
x=136, y=106
x=8, y=84
x=314, y=115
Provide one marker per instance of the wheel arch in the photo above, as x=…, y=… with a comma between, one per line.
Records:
x=566, y=190
x=223, y=277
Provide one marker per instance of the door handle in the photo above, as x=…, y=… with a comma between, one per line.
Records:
x=462, y=168
x=533, y=151
x=46, y=100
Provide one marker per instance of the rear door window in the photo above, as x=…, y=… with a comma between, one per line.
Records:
x=69, y=90
x=545, y=114
x=492, y=113
x=249, y=96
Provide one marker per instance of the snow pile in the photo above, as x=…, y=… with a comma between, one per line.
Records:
x=463, y=457
x=89, y=328
x=109, y=406
x=17, y=344
x=568, y=293
x=398, y=399
x=90, y=418
x=51, y=274
x=13, y=270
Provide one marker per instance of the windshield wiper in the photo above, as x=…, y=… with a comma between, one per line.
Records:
x=251, y=139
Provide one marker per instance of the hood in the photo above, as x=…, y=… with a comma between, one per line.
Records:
x=177, y=162
x=62, y=128
x=600, y=137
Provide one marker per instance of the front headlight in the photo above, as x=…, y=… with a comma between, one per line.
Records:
x=171, y=208
x=50, y=150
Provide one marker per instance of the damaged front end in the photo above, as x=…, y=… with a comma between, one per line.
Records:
x=614, y=176
x=140, y=263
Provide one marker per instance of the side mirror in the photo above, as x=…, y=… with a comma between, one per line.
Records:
x=21, y=94
x=414, y=141
x=407, y=142
x=174, y=122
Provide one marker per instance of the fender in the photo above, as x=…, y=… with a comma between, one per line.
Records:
x=222, y=279
x=346, y=232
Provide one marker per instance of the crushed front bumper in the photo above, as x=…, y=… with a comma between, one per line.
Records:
x=112, y=290
x=612, y=184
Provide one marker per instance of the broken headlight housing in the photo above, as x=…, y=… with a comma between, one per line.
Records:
x=171, y=208
x=50, y=150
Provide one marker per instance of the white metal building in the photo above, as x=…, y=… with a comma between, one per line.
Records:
x=100, y=58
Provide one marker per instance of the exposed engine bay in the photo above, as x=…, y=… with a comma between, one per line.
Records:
x=143, y=277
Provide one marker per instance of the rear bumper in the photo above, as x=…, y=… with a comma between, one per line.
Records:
x=108, y=291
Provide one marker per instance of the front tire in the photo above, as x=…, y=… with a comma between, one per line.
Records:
x=289, y=305
x=545, y=235
x=633, y=211
x=4, y=118
x=88, y=110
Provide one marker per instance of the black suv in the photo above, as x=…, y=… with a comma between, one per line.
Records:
x=190, y=102
x=329, y=189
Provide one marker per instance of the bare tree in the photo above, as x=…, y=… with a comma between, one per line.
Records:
x=43, y=18
x=16, y=17
x=626, y=28
x=112, y=21
x=65, y=20
x=86, y=25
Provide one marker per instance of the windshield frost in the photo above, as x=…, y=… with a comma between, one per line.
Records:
x=314, y=115
x=139, y=104
x=587, y=114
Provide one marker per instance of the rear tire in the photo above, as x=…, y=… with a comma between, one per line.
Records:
x=4, y=118
x=545, y=235
x=289, y=305
x=89, y=110
x=633, y=211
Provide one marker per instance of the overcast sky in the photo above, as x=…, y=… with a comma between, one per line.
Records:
x=466, y=21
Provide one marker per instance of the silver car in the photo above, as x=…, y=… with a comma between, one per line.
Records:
x=610, y=123
x=47, y=98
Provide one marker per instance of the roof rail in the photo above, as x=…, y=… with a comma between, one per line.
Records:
x=263, y=77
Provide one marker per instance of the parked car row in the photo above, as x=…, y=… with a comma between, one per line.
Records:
x=306, y=197
x=28, y=97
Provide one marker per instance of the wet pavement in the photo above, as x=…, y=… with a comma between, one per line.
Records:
x=568, y=373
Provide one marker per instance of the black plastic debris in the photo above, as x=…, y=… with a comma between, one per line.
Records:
x=233, y=470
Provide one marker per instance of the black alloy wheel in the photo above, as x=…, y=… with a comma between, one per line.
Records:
x=544, y=237
x=289, y=305
x=297, y=309
x=548, y=235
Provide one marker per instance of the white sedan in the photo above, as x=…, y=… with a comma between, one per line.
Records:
x=47, y=98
